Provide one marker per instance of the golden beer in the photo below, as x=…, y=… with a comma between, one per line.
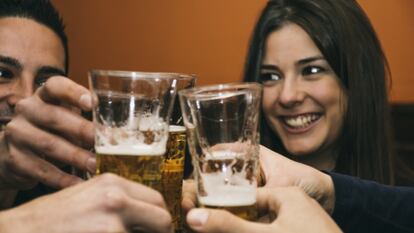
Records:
x=173, y=172
x=246, y=212
x=145, y=169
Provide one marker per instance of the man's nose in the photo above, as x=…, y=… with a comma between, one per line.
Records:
x=23, y=88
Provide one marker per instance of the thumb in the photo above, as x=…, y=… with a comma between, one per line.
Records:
x=220, y=221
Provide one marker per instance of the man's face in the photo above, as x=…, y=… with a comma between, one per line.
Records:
x=29, y=54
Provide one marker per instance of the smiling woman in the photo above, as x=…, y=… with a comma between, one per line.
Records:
x=303, y=101
x=325, y=95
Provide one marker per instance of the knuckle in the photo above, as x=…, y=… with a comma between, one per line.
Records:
x=85, y=129
x=297, y=192
x=43, y=173
x=11, y=161
x=21, y=105
x=52, y=118
x=114, y=200
x=10, y=128
x=165, y=220
x=158, y=199
x=51, y=83
x=48, y=144
x=77, y=157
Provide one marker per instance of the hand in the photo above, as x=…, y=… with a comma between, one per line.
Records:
x=296, y=213
x=44, y=130
x=106, y=203
x=280, y=171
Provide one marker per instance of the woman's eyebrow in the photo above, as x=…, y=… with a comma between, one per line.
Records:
x=268, y=67
x=309, y=59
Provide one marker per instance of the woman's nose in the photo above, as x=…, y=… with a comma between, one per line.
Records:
x=291, y=94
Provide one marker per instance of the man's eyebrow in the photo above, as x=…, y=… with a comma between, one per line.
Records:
x=50, y=70
x=11, y=62
x=310, y=59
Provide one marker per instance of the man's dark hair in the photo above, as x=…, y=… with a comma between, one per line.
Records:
x=41, y=11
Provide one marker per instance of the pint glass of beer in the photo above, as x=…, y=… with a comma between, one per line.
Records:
x=173, y=168
x=131, y=118
x=222, y=126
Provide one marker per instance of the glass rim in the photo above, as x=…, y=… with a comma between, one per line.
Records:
x=142, y=74
x=240, y=87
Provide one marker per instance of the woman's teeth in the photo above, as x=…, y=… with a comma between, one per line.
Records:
x=301, y=121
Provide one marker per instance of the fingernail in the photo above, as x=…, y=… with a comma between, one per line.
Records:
x=91, y=165
x=197, y=217
x=86, y=101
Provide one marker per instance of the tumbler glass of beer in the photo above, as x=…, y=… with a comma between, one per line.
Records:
x=131, y=118
x=173, y=168
x=222, y=126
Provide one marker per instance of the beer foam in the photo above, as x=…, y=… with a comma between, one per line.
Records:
x=229, y=196
x=176, y=128
x=223, y=154
x=227, y=188
x=145, y=136
x=132, y=150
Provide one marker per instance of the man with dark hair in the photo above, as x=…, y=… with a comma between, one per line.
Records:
x=41, y=11
x=28, y=57
x=39, y=126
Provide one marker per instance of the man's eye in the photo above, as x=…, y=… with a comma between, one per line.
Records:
x=309, y=70
x=269, y=78
x=5, y=74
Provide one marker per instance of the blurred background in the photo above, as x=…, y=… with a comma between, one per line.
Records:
x=207, y=38
x=210, y=39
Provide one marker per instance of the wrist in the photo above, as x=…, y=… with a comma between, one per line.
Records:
x=328, y=197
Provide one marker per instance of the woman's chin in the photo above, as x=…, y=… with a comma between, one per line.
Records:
x=300, y=153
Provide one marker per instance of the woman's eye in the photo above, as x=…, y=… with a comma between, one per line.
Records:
x=269, y=78
x=5, y=74
x=312, y=70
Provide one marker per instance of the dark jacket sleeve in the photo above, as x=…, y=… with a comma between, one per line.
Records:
x=366, y=206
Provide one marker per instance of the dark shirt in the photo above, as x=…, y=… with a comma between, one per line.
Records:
x=366, y=206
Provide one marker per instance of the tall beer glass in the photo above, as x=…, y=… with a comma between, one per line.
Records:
x=222, y=126
x=173, y=168
x=131, y=117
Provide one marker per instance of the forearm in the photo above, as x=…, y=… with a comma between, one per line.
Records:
x=364, y=205
x=13, y=221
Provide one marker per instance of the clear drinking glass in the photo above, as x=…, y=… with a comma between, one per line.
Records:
x=131, y=117
x=222, y=127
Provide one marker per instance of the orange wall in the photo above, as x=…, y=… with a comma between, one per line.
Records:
x=394, y=23
x=208, y=38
